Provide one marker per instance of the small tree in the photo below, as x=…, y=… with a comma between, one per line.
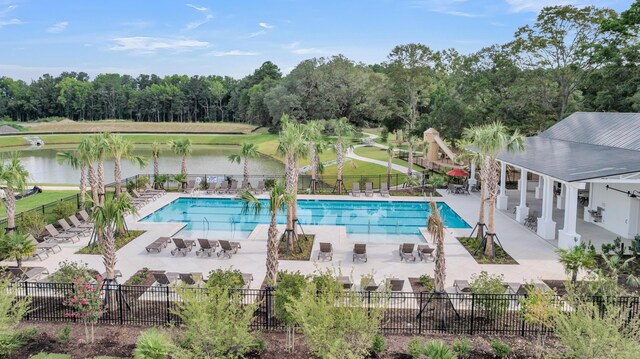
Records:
x=247, y=152
x=12, y=310
x=490, y=292
x=575, y=259
x=343, y=128
x=85, y=305
x=16, y=245
x=156, y=149
x=539, y=308
x=184, y=149
x=13, y=176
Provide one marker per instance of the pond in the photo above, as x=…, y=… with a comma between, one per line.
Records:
x=44, y=168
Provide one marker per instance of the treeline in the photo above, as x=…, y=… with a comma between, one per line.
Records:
x=571, y=59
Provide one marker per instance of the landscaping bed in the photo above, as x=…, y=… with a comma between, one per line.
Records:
x=501, y=256
x=120, y=242
x=306, y=243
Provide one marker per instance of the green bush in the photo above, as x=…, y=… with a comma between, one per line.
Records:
x=64, y=209
x=462, y=347
x=152, y=344
x=12, y=310
x=427, y=282
x=50, y=356
x=288, y=289
x=415, y=349
x=500, y=349
x=139, y=277
x=32, y=222
x=269, y=183
x=378, y=344
x=68, y=271
x=492, y=284
x=437, y=349
x=64, y=333
x=225, y=278
x=215, y=323
x=143, y=181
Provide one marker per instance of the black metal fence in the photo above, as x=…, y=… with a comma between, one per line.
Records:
x=403, y=312
x=49, y=210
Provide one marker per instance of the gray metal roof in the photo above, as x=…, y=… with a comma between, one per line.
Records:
x=621, y=130
x=573, y=161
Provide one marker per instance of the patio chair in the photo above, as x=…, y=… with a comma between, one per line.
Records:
x=451, y=188
x=346, y=282
x=144, y=195
x=84, y=216
x=395, y=285
x=134, y=197
x=531, y=221
x=228, y=248
x=158, y=244
x=233, y=189
x=47, y=247
x=247, y=278
x=76, y=223
x=34, y=274
x=68, y=229
x=260, y=188
x=326, y=251
x=207, y=246
x=371, y=286
x=461, y=286
x=512, y=287
x=424, y=252
x=183, y=246
x=384, y=189
x=150, y=189
x=224, y=187
x=355, y=191
x=53, y=234
x=166, y=278
x=368, y=189
x=213, y=188
x=245, y=185
x=191, y=279
x=360, y=252
x=191, y=187
x=406, y=251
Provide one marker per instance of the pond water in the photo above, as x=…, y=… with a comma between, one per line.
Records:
x=44, y=168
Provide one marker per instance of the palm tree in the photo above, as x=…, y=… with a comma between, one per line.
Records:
x=155, y=154
x=293, y=147
x=279, y=198
x=576, y=258
x=247, y=151
x=182, y=148
x=435, y=226
x=108, y=220
x=343, y=128
x=86, y=157
x=100, y=150
x=13, y=176
x=122, y=148
x=74, y=160
x=16, y=246
x=390, y=153
x=313, y=136
x=489, y=140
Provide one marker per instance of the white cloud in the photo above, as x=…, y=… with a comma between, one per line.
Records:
x=145, y=44
x=257, y=33
x=537, y=5
x=264, y=25
x=58, y=27
x=196, y=24
x=233, y=53
x=9, y=9
x=292, y=45
x=447, y=7
x=8, y=22
x=196, y=7
x=306, y=51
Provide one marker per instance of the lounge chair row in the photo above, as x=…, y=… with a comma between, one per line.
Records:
x=227, y=187
x=463, y=286
x=184, y=246
x=360, y=252
x=190, y=279
x=368, y=190
x=393, y=284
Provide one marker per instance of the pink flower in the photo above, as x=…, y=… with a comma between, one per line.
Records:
x=84, y=301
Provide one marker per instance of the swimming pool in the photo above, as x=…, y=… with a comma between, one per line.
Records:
x=370, y=221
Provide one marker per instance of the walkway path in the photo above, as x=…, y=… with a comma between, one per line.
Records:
x=352, y=155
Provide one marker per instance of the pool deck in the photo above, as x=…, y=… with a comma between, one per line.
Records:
x=536, y=258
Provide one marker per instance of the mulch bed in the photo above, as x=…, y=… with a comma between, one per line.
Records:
x=306, y=243
x=501, y=256
x=416, y=286
x=120, y=242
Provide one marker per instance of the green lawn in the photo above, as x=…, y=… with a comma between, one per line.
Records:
x=381, y=155
x=37, y=200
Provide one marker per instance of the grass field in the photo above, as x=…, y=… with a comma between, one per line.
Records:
x=129, y=126
x=37, y=200
x=381, y=155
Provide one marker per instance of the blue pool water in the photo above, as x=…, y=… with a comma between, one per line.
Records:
x=372, y=221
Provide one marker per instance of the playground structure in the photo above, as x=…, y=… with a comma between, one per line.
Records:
x=438, y=153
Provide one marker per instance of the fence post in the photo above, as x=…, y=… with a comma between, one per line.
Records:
x=168, y=309
x=420, y=300
x=26, y=294
x=78, y=201
x=267, y=312
x=522, y=318
x=473, y=314
x=121, y=314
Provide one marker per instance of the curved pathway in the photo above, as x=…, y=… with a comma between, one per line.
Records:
x=352, y=155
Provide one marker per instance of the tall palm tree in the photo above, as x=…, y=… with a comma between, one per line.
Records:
x=411, y=141
x=74, y=160
x=247, y=151
x=155, y=154
x=435, y=226
x=343, y=128
x=315, y=143
x=13, y=176
x=122, y=148
x=182, y=148
x=489, y=140
x=279, y=198
x=293, y=147
x=100, y=149
x=108, y=220
x=390, y=152
x=86, y=156
x=16, y=246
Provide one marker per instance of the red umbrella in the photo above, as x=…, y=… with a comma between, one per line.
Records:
x=457, y=172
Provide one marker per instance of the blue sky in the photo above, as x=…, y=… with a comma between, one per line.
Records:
x=233, y=37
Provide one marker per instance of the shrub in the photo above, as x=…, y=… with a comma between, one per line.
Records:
x=225, y=278
x=427, y=282
x=32, y=222
x=160, y=180
x=50, y=356
x=85, y=304
x=143, y=181
x=64, y=209
x=437, y=180
x=64, y=333
x=215, y=323
x=617, y=247
x=269, y=183
x=378, y=344
x=139, y=277
x=16, y=246
x=539, y=308
x=491, y=286
x=288, y=289
x=437, y=349
x=415, y=349
x=152, y=344
x=12, y=310
x=70, y=271
x=500, y=349
x=462, y=348
x=577, y=258
x=326, y=281
x=384, y=135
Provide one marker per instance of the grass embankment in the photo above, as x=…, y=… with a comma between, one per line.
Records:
x=135, y=127
x=380, y=154
x=37, y=200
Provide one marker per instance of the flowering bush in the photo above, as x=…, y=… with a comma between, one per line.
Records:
x=85, y=304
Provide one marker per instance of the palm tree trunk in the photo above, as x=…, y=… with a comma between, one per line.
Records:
x=290, y=184
x=314, y=166
x=93, y=182
x=339, y=160
x=83, y=184
x=156, y=166
x=10, y=204
x=410, y=162
x=101, y=186
x=272, y=250
x=389, y=171
x=117, y=172
x=109, y=257
x=245, y=172
x=492, y=193
x=488, y=249
x=184, y=165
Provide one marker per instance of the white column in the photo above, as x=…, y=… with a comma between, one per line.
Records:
x=546, y=225
x=561, y=197
x=567, y=236
x=503, y=199
x=522, y=211
x=472, y=176
x=538, y=194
